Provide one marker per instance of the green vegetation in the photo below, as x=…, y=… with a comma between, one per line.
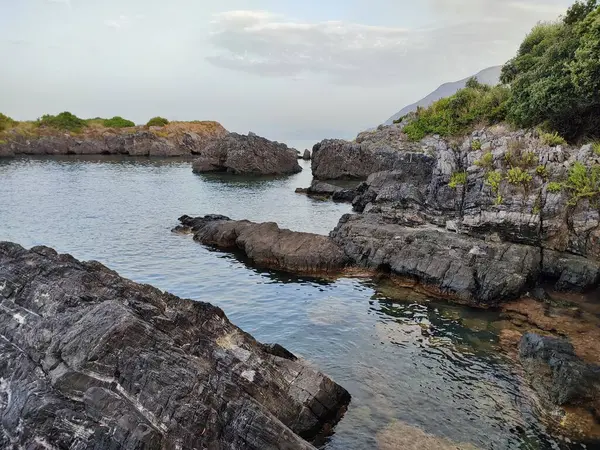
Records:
x=157, y=122
x=596, y=148
x=583, y=182
x=554, y=187
x=118, y=122
x=553, y=81
x=5, y=122
x=63, y=121
x=458, y=179
x=475, y=104
x=517, y=157
x=555, y=76
x=516, y=175
x=486, y=161
x=551, y=139
x=493, y=179
x=476, y=145
x=542, y=172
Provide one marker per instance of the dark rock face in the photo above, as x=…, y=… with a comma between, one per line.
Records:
x=559, y=377
x=267, y=245
x=137, y=143
x=306, y=155
x=252, y=155
x=90, y=360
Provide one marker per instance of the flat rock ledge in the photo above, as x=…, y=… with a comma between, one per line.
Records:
x=442, y=263
x=267, y=245
x=90, y=360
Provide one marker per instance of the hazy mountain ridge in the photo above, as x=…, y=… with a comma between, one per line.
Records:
x=491, y=76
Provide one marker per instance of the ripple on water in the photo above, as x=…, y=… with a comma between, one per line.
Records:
x=419, y=373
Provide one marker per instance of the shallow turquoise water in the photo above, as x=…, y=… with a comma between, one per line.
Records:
x=430, y=365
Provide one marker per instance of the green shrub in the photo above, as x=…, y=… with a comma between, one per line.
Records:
x=63, y=121
x=157, y=122
x=516, y=175
x=596, y=148
x=5, y=122
x=476, y=145
x=583, y=182
x=460, y=112
x=554, y=187
x=551, y=139
x=542, y=172
x=118, y=122
x=458, y=179
x=554, y=77
x=486, y=161
x=493, y=179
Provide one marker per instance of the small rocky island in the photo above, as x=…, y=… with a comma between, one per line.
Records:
x=92, y=360
x=247, y=155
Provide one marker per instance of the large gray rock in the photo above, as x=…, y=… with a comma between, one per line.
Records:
x=267, y=245
x=559, y=377
x=90, y=360
x=252, y=155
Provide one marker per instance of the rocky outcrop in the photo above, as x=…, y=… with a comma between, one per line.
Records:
x=92, y=360
x=267, y=245
x=252, y=155
x=306, y=155
x=322, y=189
x=558, y=376
x=175, y=139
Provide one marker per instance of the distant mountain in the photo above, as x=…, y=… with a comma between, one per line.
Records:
x=491, y=76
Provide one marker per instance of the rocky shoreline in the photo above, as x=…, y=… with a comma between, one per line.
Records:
x=92, y=360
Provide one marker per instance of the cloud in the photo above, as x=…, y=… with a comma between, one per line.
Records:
x=120, y=22
x=464, y=33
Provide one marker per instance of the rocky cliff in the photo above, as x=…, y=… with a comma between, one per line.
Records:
x=174, y=139
x=92, y=360
x=247, y=154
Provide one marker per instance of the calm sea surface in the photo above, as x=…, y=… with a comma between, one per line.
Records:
x=407, y=362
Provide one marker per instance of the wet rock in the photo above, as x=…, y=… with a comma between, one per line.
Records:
x=92, y=360
x=269, y=246
x=251, y=155
x=559, y=377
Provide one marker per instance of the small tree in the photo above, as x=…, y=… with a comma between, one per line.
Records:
x=118, y=122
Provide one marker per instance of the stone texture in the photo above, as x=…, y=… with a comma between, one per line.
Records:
x=90, y=360
x=267, y=245
x=252, y=155
x=559, y=377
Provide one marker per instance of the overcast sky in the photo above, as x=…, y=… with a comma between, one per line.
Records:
x=289, y=70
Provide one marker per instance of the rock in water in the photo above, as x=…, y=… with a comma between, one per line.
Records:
x=90, y=360
x=267, y=245
x=306, y=155
x=252, y=155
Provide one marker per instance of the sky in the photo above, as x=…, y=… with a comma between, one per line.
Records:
x=288, y=70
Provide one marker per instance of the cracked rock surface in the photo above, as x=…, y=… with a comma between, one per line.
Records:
x=90, y=360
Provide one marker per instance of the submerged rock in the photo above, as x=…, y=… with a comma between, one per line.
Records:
x=267, y=245
x=252, y=155
x=92, y=360
x=560, y=378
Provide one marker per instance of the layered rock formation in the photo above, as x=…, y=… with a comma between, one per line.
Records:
x=267, y=245
x=175, y=139
x=480, y=221
x=91, y=360
x=251, y=154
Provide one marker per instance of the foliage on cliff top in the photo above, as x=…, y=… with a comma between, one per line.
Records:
x=63, y=121
x=477, y=103
x=5, y=122
x=554, y=81
x=555, y=76
x=157, y=122
x=118, y=122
